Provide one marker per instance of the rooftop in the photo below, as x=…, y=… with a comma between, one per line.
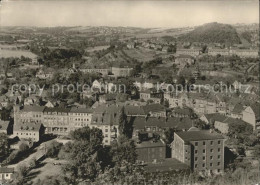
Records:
x=199, y=135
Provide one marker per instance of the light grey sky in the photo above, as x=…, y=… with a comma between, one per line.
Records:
x=127, y=13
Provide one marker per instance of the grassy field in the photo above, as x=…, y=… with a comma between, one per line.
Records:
x=16, y=53
x=143, y=55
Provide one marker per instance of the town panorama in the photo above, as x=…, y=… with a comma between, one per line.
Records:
x=129, y=104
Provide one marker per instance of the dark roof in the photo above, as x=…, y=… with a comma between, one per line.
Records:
x=80, y=110
x=150, y=144
x=185, y=111
x=153, y=108
x=6, y=170
x=30, y=126
x=199, y=135
x=178, y=123
x=4, y=125
x=215, y=117
x=56, y=109
x=238, y=108
x=134, y=110
x=33, y=108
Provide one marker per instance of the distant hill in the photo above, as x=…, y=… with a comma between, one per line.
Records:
x=212, y=33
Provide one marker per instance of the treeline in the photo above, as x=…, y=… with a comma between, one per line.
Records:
x=212, y=33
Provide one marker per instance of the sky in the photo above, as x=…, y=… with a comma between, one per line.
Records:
x=138, y=13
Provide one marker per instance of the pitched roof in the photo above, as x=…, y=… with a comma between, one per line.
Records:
x=30, y=126
x=33, y=108
x=178, y=123
x=238, y=108
x=215, y=117
x=4, y=124
x=153, y=108
x=150, y=144
x=134, y=110
x=80, y=110
x=56, y=109
x=6, y=170
x=199, y=135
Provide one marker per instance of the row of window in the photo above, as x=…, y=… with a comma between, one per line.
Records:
x=203, y=165
x=204, y=151
x=204, y=143
x=203, y=158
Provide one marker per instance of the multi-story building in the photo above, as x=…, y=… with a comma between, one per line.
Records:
x=251, y=115
x=252, y=53
x=80, y=117
x=151, y=95
x=105, y=117
x=151, y=151
x=218, y=51
x=191, y=51
x=56, y=120
x=5, y=127
x=104, y=72
x=184, y=60
x=201, y=150
x=28, y=131
x=121, y=72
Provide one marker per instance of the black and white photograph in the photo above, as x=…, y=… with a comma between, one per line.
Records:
x=129, y=92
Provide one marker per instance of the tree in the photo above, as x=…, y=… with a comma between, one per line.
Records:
x=123, y=127
x=4, y=146
x=53, y=149
x=123, y=150
x=85, y=156
x=23, y=147
x=169, y=135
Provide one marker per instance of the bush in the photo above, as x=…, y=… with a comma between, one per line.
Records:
x=53, y=149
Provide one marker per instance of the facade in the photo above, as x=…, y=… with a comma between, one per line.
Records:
x=252, y=53
x=28, y=131
x=152, y=95
x=201, y=150
x=104, y=72
x=150, y=151
x=223, y=126
x=105, y=118
x=218, y=51
x=192, y=52
x=6, y=173
x=121, y=72
x=183, y=60
x=56, y=120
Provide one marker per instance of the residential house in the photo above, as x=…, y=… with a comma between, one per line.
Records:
x=184, y=60
x=151, y=95
x=155, y=110
x=251, y=115
x=150, y=151
x=223, y=126
x=28, y=131
x=6, y=174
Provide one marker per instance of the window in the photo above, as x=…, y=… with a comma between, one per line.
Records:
x=204, y=142
x=211, y=157
x=218, y=170
x=218, y=156
x=106, y=130
x=203, y=158
x=211, y=150
x=219, y=142
x=204, y=151
x=211, y=142
x=196, y=158
x=196, y=151
x=186, y=151
x=211, y=164
x=218, y=163
x=106, y=141
x=196, y=143
x=196, y=166
x=203, y=165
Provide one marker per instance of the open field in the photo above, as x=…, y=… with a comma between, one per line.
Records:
x=97, y=48
x=16, y=53
x=143, y=55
